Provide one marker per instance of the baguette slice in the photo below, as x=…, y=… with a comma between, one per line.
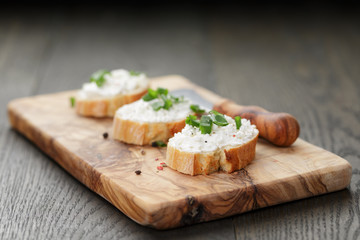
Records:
x=145, y=133
x=227, y=157
x=138, y=123
x=115, y=89
x=106, y=107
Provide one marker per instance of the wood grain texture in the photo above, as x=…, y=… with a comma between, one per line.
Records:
x=302, y=60
x=168, y=199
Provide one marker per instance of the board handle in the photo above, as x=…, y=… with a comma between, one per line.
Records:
x=281, y=129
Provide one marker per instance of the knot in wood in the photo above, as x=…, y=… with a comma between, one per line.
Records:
x=190, y=199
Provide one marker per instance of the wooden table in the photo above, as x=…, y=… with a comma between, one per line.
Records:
x=304, y=62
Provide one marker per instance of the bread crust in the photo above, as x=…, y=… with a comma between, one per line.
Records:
x=228, y=159
x=106, y=107
x=145, y=133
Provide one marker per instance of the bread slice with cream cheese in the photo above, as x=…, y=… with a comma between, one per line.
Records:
x=110, y=90
x=143, y=122
x=226, y=148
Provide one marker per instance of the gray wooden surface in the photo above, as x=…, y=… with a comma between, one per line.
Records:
x=305, y=62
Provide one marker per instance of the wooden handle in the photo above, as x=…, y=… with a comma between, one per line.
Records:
x=281, y=129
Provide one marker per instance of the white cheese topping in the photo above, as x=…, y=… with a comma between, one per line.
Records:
x=190, y=138
x=116, y=82
x=141, y=111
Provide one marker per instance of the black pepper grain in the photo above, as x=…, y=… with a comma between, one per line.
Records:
x=205, y=141
x=138, y=172
x=142, y=152
x=105, y=135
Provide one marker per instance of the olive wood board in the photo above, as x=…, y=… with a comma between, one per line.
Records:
x=165, y=198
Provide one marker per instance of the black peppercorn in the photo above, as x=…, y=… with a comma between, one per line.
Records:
x=138, y=172
x=105, y=135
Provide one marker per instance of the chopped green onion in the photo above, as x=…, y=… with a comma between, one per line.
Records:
x=72, y=101
x=157, y=105
x=158, y=144
x=205, y=124
x=192, y=121
x=167, y=100
x=168, y=103
x=151, y=94
x=147, y=97
x=163, y=91
x=238, y=121
x=218, y=118
x=134, y=73
x=196, y=109
x=177, y=99
x=99, y=77
x=215, y=112
x=163, y=97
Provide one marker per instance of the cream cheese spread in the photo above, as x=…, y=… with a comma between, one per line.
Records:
x=118, y=81
x=142, y=111
x=191, y=140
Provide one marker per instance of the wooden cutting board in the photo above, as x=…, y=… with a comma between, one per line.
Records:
x=167, y=199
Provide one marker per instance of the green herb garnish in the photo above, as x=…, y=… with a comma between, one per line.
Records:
x=168, y=104
x=206, y=121
x=99, y=77
x=218, y=118
x=205, y=124
x=163, y=91
x=151, y=94
x=196, y=109
x=72, y=101
x=237, y=121
x=166, y=100
x=134, y=73
x=177, y=99
x=215, y=112
x=147, y=97
x=157, y=105
x=158, y=144
x=192, y=121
